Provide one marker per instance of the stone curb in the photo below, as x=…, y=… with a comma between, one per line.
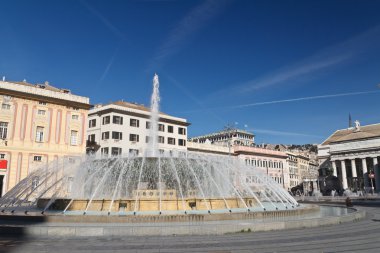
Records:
x=166, y=229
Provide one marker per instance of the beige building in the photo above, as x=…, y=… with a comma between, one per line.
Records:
x=294, y=176
x=270, y=162
x=38, y=124
x=240, y=143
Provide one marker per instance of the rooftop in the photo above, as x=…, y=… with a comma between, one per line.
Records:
x=135, y=109
x=133, y=106
x=42, y=92
x=351, y=134
x=222, y=133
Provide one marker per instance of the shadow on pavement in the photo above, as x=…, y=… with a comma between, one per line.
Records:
x=13, y=230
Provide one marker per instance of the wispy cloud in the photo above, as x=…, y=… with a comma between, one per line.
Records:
x=326, y=58
x=108, y=67
x=291, y=73
x=193, y=22
x=231, y=107
x=104, y=20
x=301, y=99
x=282, y=133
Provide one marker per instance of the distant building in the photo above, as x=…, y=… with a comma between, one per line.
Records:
x=38, y=124
x=270, y=162
x=240, y=144
x=352, y=154
x=227, y=137
x=123, y=128
x=294, y=176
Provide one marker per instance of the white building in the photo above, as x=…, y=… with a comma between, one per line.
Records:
x=352, y=155
x=122, y=128
x=227, y=137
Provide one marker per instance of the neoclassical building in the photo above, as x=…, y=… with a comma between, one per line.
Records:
x=38, y=124
x=352, y=155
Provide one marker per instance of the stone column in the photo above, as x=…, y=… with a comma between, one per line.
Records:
x=344, y=174
x=334, y=168
x=353, y=168
x=365, y=173
x=354, y=175
x=377, y=174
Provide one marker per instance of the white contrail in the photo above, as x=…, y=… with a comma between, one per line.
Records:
x=290, y=100
x=301, y=99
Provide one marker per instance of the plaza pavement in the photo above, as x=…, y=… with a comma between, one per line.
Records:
x=360, y=236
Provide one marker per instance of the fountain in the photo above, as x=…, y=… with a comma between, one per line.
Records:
x=153, y=184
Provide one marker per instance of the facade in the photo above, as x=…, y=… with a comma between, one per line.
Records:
x=124, y=128
x=270, y=162
x=292, y=162
x=352, y=155
x=38, y=124
x=227, y=137
x=240, y=144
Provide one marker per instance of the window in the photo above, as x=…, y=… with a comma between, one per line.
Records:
x=161, y=139
x=37, y=158
x=181, y=130
x=181, y=142
x=91, y=138
x=170, y=129
x=147, y=139
x=147, y=125
x=40, y=134
x=133, y=151
x=171, y=141
x=2, y=156
x=41, y=103
x=117, y=135
x=5, y=106
x=161, y=127
x=104, y=151
x=74, y=137
x=92, y=123
x=75, y=117
x=106, y=120
x=161, y=151
x=115, y=151
x=134, y=123
x=41, y=112
x=3, y=130
x=134, y=137
x=117, y=120
x=105, y=135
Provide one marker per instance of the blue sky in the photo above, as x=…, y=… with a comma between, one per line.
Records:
x=290, y=71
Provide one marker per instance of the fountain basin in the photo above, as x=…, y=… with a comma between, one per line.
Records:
x=148, y=204
x=164, y=225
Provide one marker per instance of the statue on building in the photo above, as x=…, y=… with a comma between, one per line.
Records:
x=357, y=125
